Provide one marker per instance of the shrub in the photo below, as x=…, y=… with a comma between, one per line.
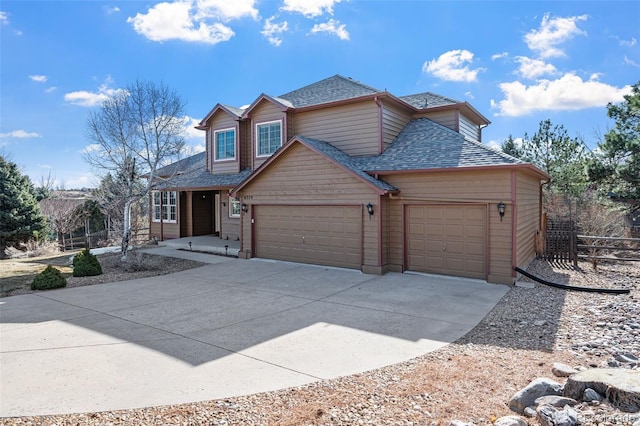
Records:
x=49, y=279
x=86, y=264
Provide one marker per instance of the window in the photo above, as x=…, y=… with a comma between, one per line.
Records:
x=234, y=207
x=166, y=209
x=269, y=138
x=224, y=144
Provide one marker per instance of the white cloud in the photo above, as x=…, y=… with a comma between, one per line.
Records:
x=90, y=148
x=631, y=62
x=51, y=89
x=39, y=78
x=90, y=99
x=628, y=43
x=189, y=128
x=332, y=27
x=226, y=10
x=469, y=95
x=177, y=21
x=111, y=10
x=450, y=66
x=273, y=31
x=533, y=68
x=4, y=18
x=569, y=92
x=499, y=55
x=493, y=144
x=310, y=8
x=552, y=32
x=20, y=134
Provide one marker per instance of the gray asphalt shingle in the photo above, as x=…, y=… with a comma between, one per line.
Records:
x=336, y=88
x=192, y=172
x=427, y=100
x=425, y=144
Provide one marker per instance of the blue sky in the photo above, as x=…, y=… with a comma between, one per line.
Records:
x=516, y=62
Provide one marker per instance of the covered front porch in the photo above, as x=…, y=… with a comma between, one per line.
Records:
x=204, y=243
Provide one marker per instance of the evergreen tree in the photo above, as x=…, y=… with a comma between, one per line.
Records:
x=20, y=217
x=510, y=147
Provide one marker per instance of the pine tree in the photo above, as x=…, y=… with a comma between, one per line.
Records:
x=20, y=217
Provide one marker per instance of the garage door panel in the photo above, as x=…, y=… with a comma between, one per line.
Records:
x=459, y=229
x=332, y=234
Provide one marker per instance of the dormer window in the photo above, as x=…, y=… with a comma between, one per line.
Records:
x=268, y=138
x=224, y=144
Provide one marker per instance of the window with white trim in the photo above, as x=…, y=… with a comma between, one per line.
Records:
x=165, y=207
x=224, y=144
x=234, y=207
x=268, y=138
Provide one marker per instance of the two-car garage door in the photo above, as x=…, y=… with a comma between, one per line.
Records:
x=447, y=239
x=324, y=235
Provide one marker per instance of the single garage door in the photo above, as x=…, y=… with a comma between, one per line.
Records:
x=323, y=235
x=447, y=239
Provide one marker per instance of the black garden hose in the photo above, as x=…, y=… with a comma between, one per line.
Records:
x=574, y=288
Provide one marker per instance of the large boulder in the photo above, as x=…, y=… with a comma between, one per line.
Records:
x=620, y=386
x=539, y=387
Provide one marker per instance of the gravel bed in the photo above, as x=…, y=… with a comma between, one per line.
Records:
x=470, y=380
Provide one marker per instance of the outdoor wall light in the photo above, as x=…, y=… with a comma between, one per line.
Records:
x=501, y=208
x=245, y=208
x=370, y=210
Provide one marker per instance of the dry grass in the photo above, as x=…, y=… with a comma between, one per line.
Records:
x=17, y=274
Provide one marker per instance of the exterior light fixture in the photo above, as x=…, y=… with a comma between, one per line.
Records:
x=245, y=208
x=370, y=210
x=501, y=208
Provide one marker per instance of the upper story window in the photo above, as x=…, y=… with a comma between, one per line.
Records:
x=224, y=144
x=164, y=207
x=269, y=138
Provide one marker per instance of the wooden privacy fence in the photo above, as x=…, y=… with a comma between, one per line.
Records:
x=85, y=241
x=559, y=241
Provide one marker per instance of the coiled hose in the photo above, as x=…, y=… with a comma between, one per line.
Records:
x=574, y=288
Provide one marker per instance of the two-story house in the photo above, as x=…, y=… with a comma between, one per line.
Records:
x=342, y=174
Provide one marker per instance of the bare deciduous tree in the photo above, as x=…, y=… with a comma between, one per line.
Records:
x=135, y=132
x=65, y=215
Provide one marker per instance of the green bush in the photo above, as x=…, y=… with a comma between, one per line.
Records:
x=49, y=279
x=86, y=264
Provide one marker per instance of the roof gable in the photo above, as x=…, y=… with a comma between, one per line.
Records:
x=332, y=89
x=281, y=103
x=232, y=111
x=331, y=153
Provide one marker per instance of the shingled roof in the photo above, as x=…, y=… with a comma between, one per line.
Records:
x=191, y=172
x=424, y=144
x=332, y=89
x=428, y=100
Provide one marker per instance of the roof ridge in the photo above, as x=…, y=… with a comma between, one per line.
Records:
x=496, y=151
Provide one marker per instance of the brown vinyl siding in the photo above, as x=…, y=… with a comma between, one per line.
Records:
x=245, y=149
x=222, y=121
x=490, y=187
x=263, y=113
x=446, y=118
x=325, y=184
x=229, y=226
x=528, y=198
x=394, y=119
x=467, y=128
x=352, y=128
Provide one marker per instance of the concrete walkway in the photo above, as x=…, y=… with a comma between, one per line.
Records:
x=232, y=327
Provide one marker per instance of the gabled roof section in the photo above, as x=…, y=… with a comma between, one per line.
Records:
x=428, y=100
x=282, y=103
x=333, y=154
x=424, y=144
x=332, y=89
x=233, y=111
x=192, y=173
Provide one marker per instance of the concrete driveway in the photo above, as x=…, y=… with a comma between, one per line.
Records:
x=230, y=328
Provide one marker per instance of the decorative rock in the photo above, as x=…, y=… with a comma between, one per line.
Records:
x=510, y=421
x=539, y=323
x=549, y=416
x=562, y=370
x=539, y=387
x=530, y=412
x=620, y=386
x=555, y=401
x=590, y=395
x=460, y=423
x=545, y=415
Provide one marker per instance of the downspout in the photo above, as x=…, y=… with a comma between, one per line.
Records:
x=514, y=224
x=378, y=102
x=161, y=221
